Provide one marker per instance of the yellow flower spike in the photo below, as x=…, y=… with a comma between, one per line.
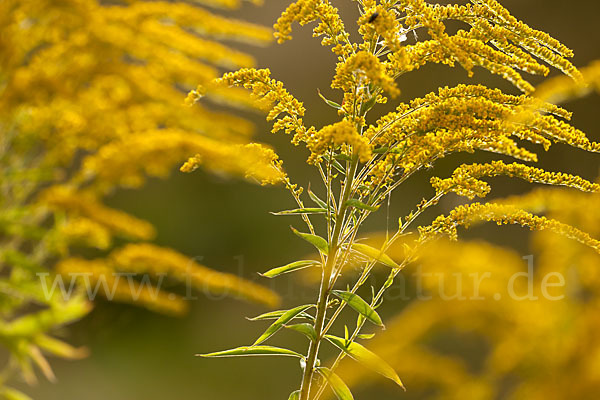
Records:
x=118, y=222
x=380, y=21
x=155, y=153
x=561, y=88
x=271, y=94
x=516, y=45
x=147, y=258
x=465, y=179
x=199, y=20
x=330, y=27
x=253, y=160
x=86, y=232
x=467, y=215
x=359, y=71
x=99, y=278
x=335, y=135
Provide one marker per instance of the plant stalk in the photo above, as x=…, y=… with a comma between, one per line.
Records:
x=313, y=348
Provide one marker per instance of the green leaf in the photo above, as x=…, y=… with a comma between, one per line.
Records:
x=291, y=267
x=366, y=357
x=277, y=314
x=336, y=164
x=367, y=105
x=301, y=211
x=329, y=102
x=246, y=351
x=375, y=254
x=381, y=150
x=306, y=329
x=343, y=157
x=278, y=324
x=316, y=199
x=366, y=336
x=337, y=384
x=359, y=204
x=315, y=240
x=295, y=395
x=359, y=305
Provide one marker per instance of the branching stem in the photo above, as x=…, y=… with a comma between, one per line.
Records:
x=313, y=348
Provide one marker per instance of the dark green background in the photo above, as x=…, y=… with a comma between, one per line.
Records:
x=136, y=354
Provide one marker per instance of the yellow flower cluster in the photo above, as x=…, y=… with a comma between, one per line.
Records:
x=83, y=75
x=271, y=93
x=253, y=160
x=487, y=106
x=278, y=101
x=102, y=81
x=127, y=162
x=380, y=21
x=75, y=203
x=83, y=231
x=147, y=258
x=496, y=41
x=360, y=71
x=559, y=89
x=134, y=274
x=229, y=4
x=197, y=19
x=463, y=119
x=466, y=215
x=343, y=134
x=99, y=276
x=465, y=182
x=561, y=203
x=330, y=26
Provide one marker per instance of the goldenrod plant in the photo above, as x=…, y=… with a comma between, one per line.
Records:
x=362, y=160
x=542, y=339
x=91, y=99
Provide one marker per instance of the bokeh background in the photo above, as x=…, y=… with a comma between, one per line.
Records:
x=136, y=354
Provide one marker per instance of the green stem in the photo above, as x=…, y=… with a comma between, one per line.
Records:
x=313, y=348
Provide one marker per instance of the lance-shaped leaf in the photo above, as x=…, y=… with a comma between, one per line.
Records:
x=316, y=199
x=375, y=254
x=342, y=157
x=315, y=240
x=335, y=163
x=329, y=102
x=365, y=357
x=306, y=329
x=381, y=150
x=278, y=313
x=291, y=267
x=281, y=321
x=295, y=395
x=358, y=304
x=366, y=336
x=246, y=351
x=337, y=384
x=301, y=211
x=359, y=204
x=367, y=105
